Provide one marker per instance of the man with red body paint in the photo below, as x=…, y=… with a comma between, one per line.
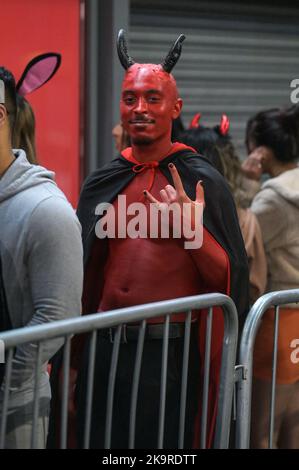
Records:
x=122, y=272
x=149, y=103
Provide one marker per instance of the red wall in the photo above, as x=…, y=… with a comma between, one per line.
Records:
x=32, y=27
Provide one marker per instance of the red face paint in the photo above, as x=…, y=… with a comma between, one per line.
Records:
x=148, y=103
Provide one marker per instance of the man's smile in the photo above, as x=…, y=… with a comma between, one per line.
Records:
x=142, y=121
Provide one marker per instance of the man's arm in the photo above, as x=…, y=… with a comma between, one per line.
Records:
x=210, y=258
x=212, y=263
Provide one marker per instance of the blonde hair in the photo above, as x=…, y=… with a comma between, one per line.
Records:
x=24, y=131
x=231, y=170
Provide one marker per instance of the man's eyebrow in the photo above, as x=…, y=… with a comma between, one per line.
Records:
x=158, y=92
x=151, y=91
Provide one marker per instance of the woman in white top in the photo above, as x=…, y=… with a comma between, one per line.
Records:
x=273, y=146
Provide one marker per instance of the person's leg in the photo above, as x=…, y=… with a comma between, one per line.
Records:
x=260, y=412
x=148, y=404
x=101, y=375
x=20, y=437
x=54, y=418
x=289, y=433
x=149, y=397
x=19, y=421
x=149, y=393
x=193, y=389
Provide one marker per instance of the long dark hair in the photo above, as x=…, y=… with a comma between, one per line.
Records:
x=277, y=129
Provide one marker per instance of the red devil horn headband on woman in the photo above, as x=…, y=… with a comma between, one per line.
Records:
x=38, y=72
x=224, y=125
x=168, y=63
x=194, y=124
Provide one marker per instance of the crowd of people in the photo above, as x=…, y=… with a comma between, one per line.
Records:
x=50, y=258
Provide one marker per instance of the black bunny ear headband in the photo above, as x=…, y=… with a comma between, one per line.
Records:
x=38, y=72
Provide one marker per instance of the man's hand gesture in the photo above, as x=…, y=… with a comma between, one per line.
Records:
x=190, y=210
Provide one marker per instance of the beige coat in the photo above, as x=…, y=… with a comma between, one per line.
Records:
x=277, y=209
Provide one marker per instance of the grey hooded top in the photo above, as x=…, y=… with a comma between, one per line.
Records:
x=41, y=255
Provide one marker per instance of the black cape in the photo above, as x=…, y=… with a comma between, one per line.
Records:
x=220, y=219
x=220, y=216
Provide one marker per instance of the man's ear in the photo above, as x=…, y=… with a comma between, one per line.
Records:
x=3, y=115
x=177, y=108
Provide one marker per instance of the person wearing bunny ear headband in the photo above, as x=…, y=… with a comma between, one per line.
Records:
x=40, y=271
x=155, y=171
x=36, y=73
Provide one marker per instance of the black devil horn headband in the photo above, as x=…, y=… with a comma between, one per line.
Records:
x=168, y=63
x=174, y=54
x=122, y=50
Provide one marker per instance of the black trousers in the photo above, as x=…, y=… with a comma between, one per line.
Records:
x=147, y=419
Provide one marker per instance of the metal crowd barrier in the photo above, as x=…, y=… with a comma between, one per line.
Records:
x=244, y=384
x=93, y=323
